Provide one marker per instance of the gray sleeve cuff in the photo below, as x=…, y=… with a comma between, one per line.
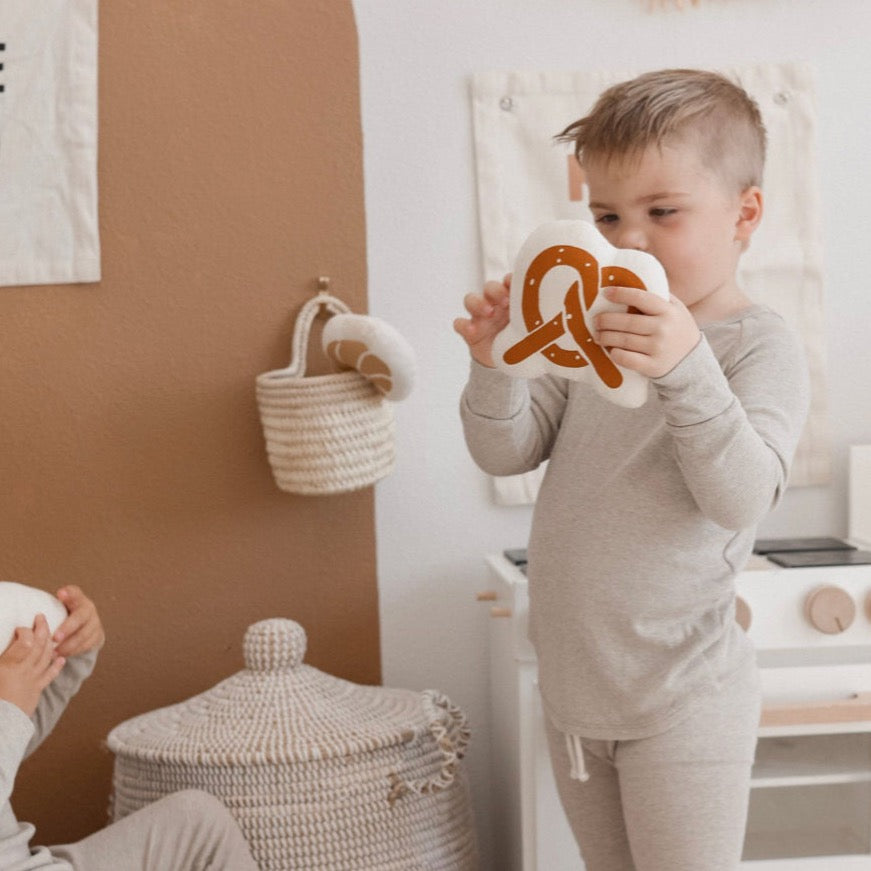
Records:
x=15, y=726
x=17, y=731
x=57, y=694
x=696, y=390
x=493, y=394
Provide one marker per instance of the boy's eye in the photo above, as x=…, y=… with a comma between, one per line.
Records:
x=662, y=212
x=608, y=218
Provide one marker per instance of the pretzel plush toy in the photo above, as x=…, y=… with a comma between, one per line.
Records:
x=555, y=296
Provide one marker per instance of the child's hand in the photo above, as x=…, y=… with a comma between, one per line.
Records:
x=82, y=630
x=28, y=665
x=489, y=316
x=651, y=338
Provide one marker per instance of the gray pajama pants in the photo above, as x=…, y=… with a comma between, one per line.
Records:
x=672, y=802
x=186, y=831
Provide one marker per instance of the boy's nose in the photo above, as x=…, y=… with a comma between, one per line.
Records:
x=632, y=237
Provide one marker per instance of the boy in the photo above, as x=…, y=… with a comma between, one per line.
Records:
x=188, y=831
x=649, y=687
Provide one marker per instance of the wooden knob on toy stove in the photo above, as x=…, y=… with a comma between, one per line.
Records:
x=868, y=605
x=743, y=614
x=487, y=596
x=496, y=611
x=830, y=609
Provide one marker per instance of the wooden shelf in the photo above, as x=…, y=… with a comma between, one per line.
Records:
x=850, y=709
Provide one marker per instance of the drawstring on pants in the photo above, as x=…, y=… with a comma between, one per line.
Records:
x=576, y=757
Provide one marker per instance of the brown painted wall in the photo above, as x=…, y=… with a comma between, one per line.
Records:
x=131, y=456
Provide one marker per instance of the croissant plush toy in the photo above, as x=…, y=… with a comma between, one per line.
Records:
x=374, y=348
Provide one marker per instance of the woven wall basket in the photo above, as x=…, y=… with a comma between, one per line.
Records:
x=324, y=433
x=321, y=774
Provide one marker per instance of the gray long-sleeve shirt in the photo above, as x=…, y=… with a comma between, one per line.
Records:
x=20, y=735
x=644, y=517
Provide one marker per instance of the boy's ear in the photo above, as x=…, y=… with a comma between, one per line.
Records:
x=749, y=214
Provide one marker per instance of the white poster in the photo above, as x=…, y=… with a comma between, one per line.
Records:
x=48, y=142
x=524, y=179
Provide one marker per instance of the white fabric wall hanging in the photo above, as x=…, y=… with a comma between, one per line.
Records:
x=525, y=180
x=48, y=142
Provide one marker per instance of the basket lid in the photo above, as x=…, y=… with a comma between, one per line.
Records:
x=277, y=709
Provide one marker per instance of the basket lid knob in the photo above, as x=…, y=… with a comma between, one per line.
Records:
x=276, y=644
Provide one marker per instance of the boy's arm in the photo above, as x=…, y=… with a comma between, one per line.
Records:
x=510, y=424
x=21, y=734
x=735, y=434
x=16, y=729
x=57, y=695
x=78, y=639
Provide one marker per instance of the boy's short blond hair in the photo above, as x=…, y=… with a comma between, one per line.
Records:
x=676, y=105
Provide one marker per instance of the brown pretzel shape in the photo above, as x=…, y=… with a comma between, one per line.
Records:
x=542, y=336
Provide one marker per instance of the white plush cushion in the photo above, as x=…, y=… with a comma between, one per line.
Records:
x=19, y=605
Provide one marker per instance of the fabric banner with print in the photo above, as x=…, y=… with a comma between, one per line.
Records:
x=48, y=142
x=524, y=180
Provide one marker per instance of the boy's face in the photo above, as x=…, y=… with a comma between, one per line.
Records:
x=667, y=203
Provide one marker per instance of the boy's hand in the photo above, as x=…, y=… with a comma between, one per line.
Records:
x=489, y=316
x=82, y=630
x=28, y=665
x=653, y=338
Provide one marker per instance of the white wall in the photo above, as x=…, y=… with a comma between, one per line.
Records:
x=435, y=518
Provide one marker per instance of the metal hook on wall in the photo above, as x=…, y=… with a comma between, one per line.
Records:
x=324, y=296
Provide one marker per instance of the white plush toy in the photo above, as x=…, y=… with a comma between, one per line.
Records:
x=374, y=348
x=556, y=294
x=19, y=605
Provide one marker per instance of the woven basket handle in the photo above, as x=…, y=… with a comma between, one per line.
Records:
x=303, y=325
x=450, y=728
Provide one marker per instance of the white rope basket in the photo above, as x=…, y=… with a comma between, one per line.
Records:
x=324, y=433
x=322, y=774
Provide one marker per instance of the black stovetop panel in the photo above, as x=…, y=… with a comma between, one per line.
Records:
x=765, y=546
x=785, y=552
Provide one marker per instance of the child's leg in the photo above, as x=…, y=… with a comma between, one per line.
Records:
x=186, y=831
x=593, y=808
x=685, y=792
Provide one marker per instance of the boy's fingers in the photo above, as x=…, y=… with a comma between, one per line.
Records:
x=477, y=306
x=18, y=649
x=40, y=627
x=29, y=645
x=495, y=293
x=464, y=327
x=646, y=302
x=626, y=341
x=51, y=672
x=88, y=637
x=469, y=330
x=24, y=637
x=630, y=360
x=78, y=642
x=72, y=624
x=72, y=596
x=624, y=322
x=43, y=650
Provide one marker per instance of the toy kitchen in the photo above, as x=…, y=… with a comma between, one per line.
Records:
x=806, y=605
